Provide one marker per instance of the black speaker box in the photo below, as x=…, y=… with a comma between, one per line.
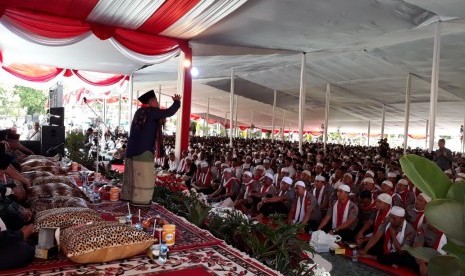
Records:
x=32, y=145
x=53, y=140
x=57, y=116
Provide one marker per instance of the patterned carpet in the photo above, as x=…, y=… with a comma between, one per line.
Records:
x=196, y=252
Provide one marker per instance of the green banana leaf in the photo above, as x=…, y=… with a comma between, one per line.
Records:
x=426, y=175
x=457, y=192
x=445, y=265
x=447, y=216
x=423, y=253
x=455, y=250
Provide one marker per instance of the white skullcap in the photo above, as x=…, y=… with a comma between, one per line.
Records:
x=397, y=211
x=344, y=187
x=370, y=173
x=246, y=166
x=402, y=182
x=392, y=174
x=300, y=183
x=286, y=170
x=319, y=165
x=307, y=172
x=389, y=183
x=197, y=162
x=425, y=197
x=287, y=180
x=249, y=174
x=9, y=191
x=458, y=179
x=269, y=175
x=266, y=161
x=368, y=180
x=385, y=198
x=260, y=167
x=217, y=163
x=227, y=170
x=320, y=178
x=368, y=157
x=349, y=174
x=204, y=165
x=461, y=175
x=188, y=158
x=448, y=171
x=224, y=165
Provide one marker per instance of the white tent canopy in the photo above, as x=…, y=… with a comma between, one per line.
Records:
x=364, y=49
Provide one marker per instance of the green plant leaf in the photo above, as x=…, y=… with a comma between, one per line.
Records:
x=426, y=175
x=456, y=250
x=445, y=265
x=457, y=192
x=447, y=216
x=423, y=253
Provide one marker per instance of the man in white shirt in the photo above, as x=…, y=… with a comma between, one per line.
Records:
x=34, y=133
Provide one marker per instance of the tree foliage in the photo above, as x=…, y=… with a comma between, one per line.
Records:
x=32, y=99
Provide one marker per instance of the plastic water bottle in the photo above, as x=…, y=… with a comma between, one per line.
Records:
x=163, y=253
x=354, y=255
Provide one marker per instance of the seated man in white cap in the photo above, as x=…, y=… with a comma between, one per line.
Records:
x=203, y=181
x=343, y=215
x=392, y=176
x=322, y=193
x=306, y=177
x=395, y=233
x=387, y=187
x=228, y=189
x=266, y=189
x=280, y=203
x=369, y=185
x=259, y=173
x=416, y=212
x=305, y=209
x=280, y=175
x=244, y=202
x=383, y=206
x=404, y=197
x=267, y=166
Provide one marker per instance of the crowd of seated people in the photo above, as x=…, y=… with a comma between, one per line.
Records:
x=15, y=220
x=351, y=191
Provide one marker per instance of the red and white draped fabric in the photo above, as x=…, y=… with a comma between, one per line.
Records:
x=148, y=31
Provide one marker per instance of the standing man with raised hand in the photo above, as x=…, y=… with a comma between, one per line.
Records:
x=145, y=142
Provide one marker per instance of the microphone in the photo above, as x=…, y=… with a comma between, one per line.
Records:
x=85, y=99
x=54, y=148
x=53, y=115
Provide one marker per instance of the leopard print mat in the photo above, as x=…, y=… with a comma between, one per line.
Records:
x=65, y=217
x=101, y=236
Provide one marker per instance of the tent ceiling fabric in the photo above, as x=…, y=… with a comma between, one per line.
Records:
x=363, y=48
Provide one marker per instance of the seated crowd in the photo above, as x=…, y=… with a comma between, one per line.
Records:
x=356, y=192
x=359, y=193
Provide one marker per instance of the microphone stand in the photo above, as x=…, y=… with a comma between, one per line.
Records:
x=99, y=121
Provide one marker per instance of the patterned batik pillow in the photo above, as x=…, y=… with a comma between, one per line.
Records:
x=55, y=179
x=41, y=204
x=103, y=242
x=38, y=162
x=65, y=217
x=54, y=190
x=53, y=169
x=32, y=175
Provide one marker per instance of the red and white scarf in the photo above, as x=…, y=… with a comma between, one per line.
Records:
x=380, y=218
x=320, y=194
x=247, y=189
x=300, y=208
x=340, y=215
x=388, y=247
x=228, y=184
x=440, y=242
x=205, y=178
x=263, y=190
x=419, y=219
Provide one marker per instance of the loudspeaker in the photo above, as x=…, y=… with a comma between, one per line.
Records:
x=53, y=140
x=57, y=116
x=32, y=145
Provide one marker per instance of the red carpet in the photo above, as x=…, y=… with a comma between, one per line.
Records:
x=196, y=252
